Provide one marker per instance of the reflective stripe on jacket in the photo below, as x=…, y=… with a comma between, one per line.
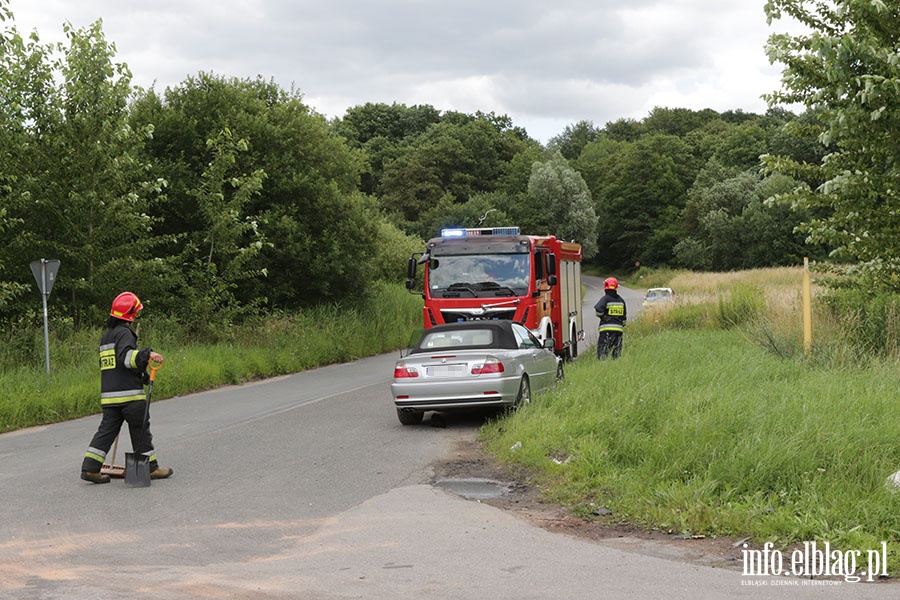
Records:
x=121, y=366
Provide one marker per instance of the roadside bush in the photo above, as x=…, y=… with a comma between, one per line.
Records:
x=871, y=324
x=22, y=343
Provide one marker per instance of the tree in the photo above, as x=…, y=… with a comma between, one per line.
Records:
x=227, y=240
x=79, y=183
x=5, y=14
x=567, y=210
x=479, y=211
x=461, y=156
x=731, y=224
x=572, y=141
x=319, y=228
x=10, y=137
x=395, y=122
x=742, y=145
x=677, y=121
x=639, y=191
x=845, y=69
x=392, y=251
x=624, y=130
x=412, y=187
x=9, y=290
x=383, y=132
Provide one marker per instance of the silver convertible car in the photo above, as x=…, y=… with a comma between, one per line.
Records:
x=472, y=364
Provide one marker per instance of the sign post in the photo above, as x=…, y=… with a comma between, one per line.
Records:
x=807, y=310
x=45, y=275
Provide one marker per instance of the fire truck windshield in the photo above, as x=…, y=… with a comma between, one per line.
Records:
x=479, y=275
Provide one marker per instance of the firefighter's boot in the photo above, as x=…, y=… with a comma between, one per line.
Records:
x=161, y=473
x=95, y=477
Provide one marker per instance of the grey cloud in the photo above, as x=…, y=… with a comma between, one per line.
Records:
x=559, y=60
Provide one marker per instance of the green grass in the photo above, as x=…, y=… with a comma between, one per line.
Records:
x=715, y=422
x=699, y=431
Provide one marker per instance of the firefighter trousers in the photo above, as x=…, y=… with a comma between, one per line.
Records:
x=110, y=425
x=609, y=344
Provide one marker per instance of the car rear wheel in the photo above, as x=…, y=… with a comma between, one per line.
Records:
x=410, y=417
x=524, y=395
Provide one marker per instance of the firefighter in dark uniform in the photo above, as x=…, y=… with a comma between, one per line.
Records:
x=611, y=310
x=123, y=373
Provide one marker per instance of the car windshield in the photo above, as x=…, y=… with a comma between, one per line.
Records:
x=475, y=274
x=657, y=294
x=525, y=338
x=457, y=338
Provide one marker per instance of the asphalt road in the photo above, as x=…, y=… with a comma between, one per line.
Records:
x=305, y=486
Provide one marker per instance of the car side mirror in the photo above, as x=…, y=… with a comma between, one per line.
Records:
x=549, y=343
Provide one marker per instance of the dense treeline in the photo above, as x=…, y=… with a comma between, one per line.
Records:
x=221, y=197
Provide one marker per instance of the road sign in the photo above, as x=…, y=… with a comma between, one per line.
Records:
x=45, y=274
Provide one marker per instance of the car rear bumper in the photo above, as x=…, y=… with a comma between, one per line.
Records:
x=431, y=395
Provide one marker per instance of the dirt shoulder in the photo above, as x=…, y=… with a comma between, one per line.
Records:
x=525, y=501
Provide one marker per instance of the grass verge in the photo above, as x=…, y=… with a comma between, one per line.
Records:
x=699, y=432
x=713, y=422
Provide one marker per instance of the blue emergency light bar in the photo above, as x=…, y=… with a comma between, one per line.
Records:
x=449, y=233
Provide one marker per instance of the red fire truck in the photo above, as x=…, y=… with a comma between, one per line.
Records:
x=498, y=273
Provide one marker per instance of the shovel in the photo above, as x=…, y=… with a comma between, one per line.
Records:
x=137, y=466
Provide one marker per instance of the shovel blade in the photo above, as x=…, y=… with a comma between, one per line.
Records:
x=137, y=470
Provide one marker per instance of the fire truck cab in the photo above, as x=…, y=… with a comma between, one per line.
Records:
x=499, y=273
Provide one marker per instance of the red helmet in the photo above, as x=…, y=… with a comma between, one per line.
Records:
x=126, y=306
x=611, y=283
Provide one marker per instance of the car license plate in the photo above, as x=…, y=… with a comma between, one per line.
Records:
x=446, y=370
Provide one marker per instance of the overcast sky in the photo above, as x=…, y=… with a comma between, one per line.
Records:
x=545, y=63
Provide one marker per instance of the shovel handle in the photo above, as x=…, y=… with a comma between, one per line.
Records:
x=154, y=367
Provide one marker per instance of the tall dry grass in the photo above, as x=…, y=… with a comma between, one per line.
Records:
x=767, y=306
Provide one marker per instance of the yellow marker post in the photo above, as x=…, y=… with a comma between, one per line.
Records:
x=807, y=310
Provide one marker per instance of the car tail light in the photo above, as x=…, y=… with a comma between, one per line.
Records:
x=401, y=371
x=491, y=365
